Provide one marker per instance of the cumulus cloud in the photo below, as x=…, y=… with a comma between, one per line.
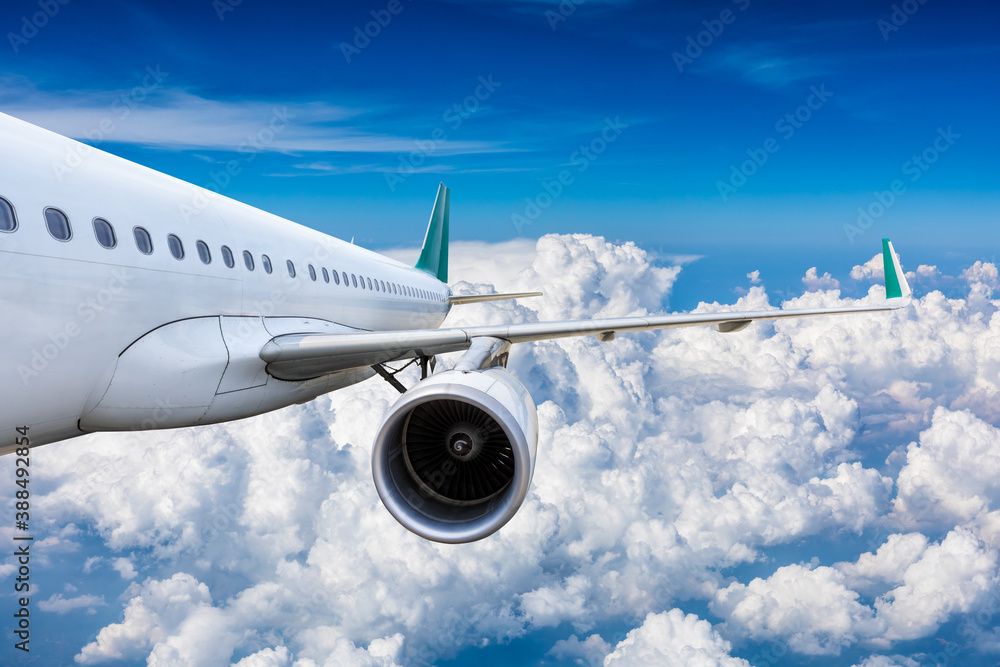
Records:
x=948, y=578
x=673, y=638
x=814, y=282
x=269, y=657
x=124, y=567
x=811, y=608
x=155, y=612
x=871, y=270
x=877, y=571
x=666, y=460
x=981, y=272
x=928, y=271
x=951, y=473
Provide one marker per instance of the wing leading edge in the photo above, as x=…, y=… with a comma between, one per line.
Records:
x=308, y=355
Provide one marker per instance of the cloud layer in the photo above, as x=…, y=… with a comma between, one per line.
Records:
x=668, y=464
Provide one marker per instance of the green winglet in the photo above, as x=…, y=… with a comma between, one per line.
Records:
x=434, y=254
x=895, y=282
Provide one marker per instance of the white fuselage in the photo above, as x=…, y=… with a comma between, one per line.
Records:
x=75, y=315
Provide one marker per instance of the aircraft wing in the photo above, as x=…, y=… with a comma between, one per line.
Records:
x=304, y=356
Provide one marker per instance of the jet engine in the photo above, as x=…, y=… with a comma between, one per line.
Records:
x=454, y=456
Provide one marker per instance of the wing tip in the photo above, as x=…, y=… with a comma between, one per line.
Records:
x=897, y=289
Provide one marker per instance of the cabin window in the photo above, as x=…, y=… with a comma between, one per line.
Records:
x=376, y=285
x=176, y=247
x=8, y=222
x=227, y=257
x=266, y=262
x=57, y=224
x=361, y=279
x=312, y=272
x=354, y=280
x=369, y=283
x=291, y=268
x=248, y=260
x=336, y=277
x=105, y=233
x=143, y=241
x=326, y=275
x=394, y=288
x=204, y=254
x=345, y=278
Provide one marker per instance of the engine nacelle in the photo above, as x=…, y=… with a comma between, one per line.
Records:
x=454, y=457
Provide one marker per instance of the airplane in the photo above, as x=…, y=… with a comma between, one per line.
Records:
x=132, y=300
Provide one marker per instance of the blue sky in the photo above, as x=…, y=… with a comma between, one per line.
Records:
x=498, y=99
x=357, y=118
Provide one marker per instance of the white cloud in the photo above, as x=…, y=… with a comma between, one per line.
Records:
x=887, y=566
x=671, y=638
x=888, y=661
x=124, y=567
x=590, y=652
x=60, y=605
x=950, y=577
x=156, y=610
x=551, y=605
x=873, y=269
x=951, y=474
x=928, y=271
x=754, y=277
x=981, y=272
x=811, y=608
x=814, y=282
x=177, y=119
x=269, y=657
